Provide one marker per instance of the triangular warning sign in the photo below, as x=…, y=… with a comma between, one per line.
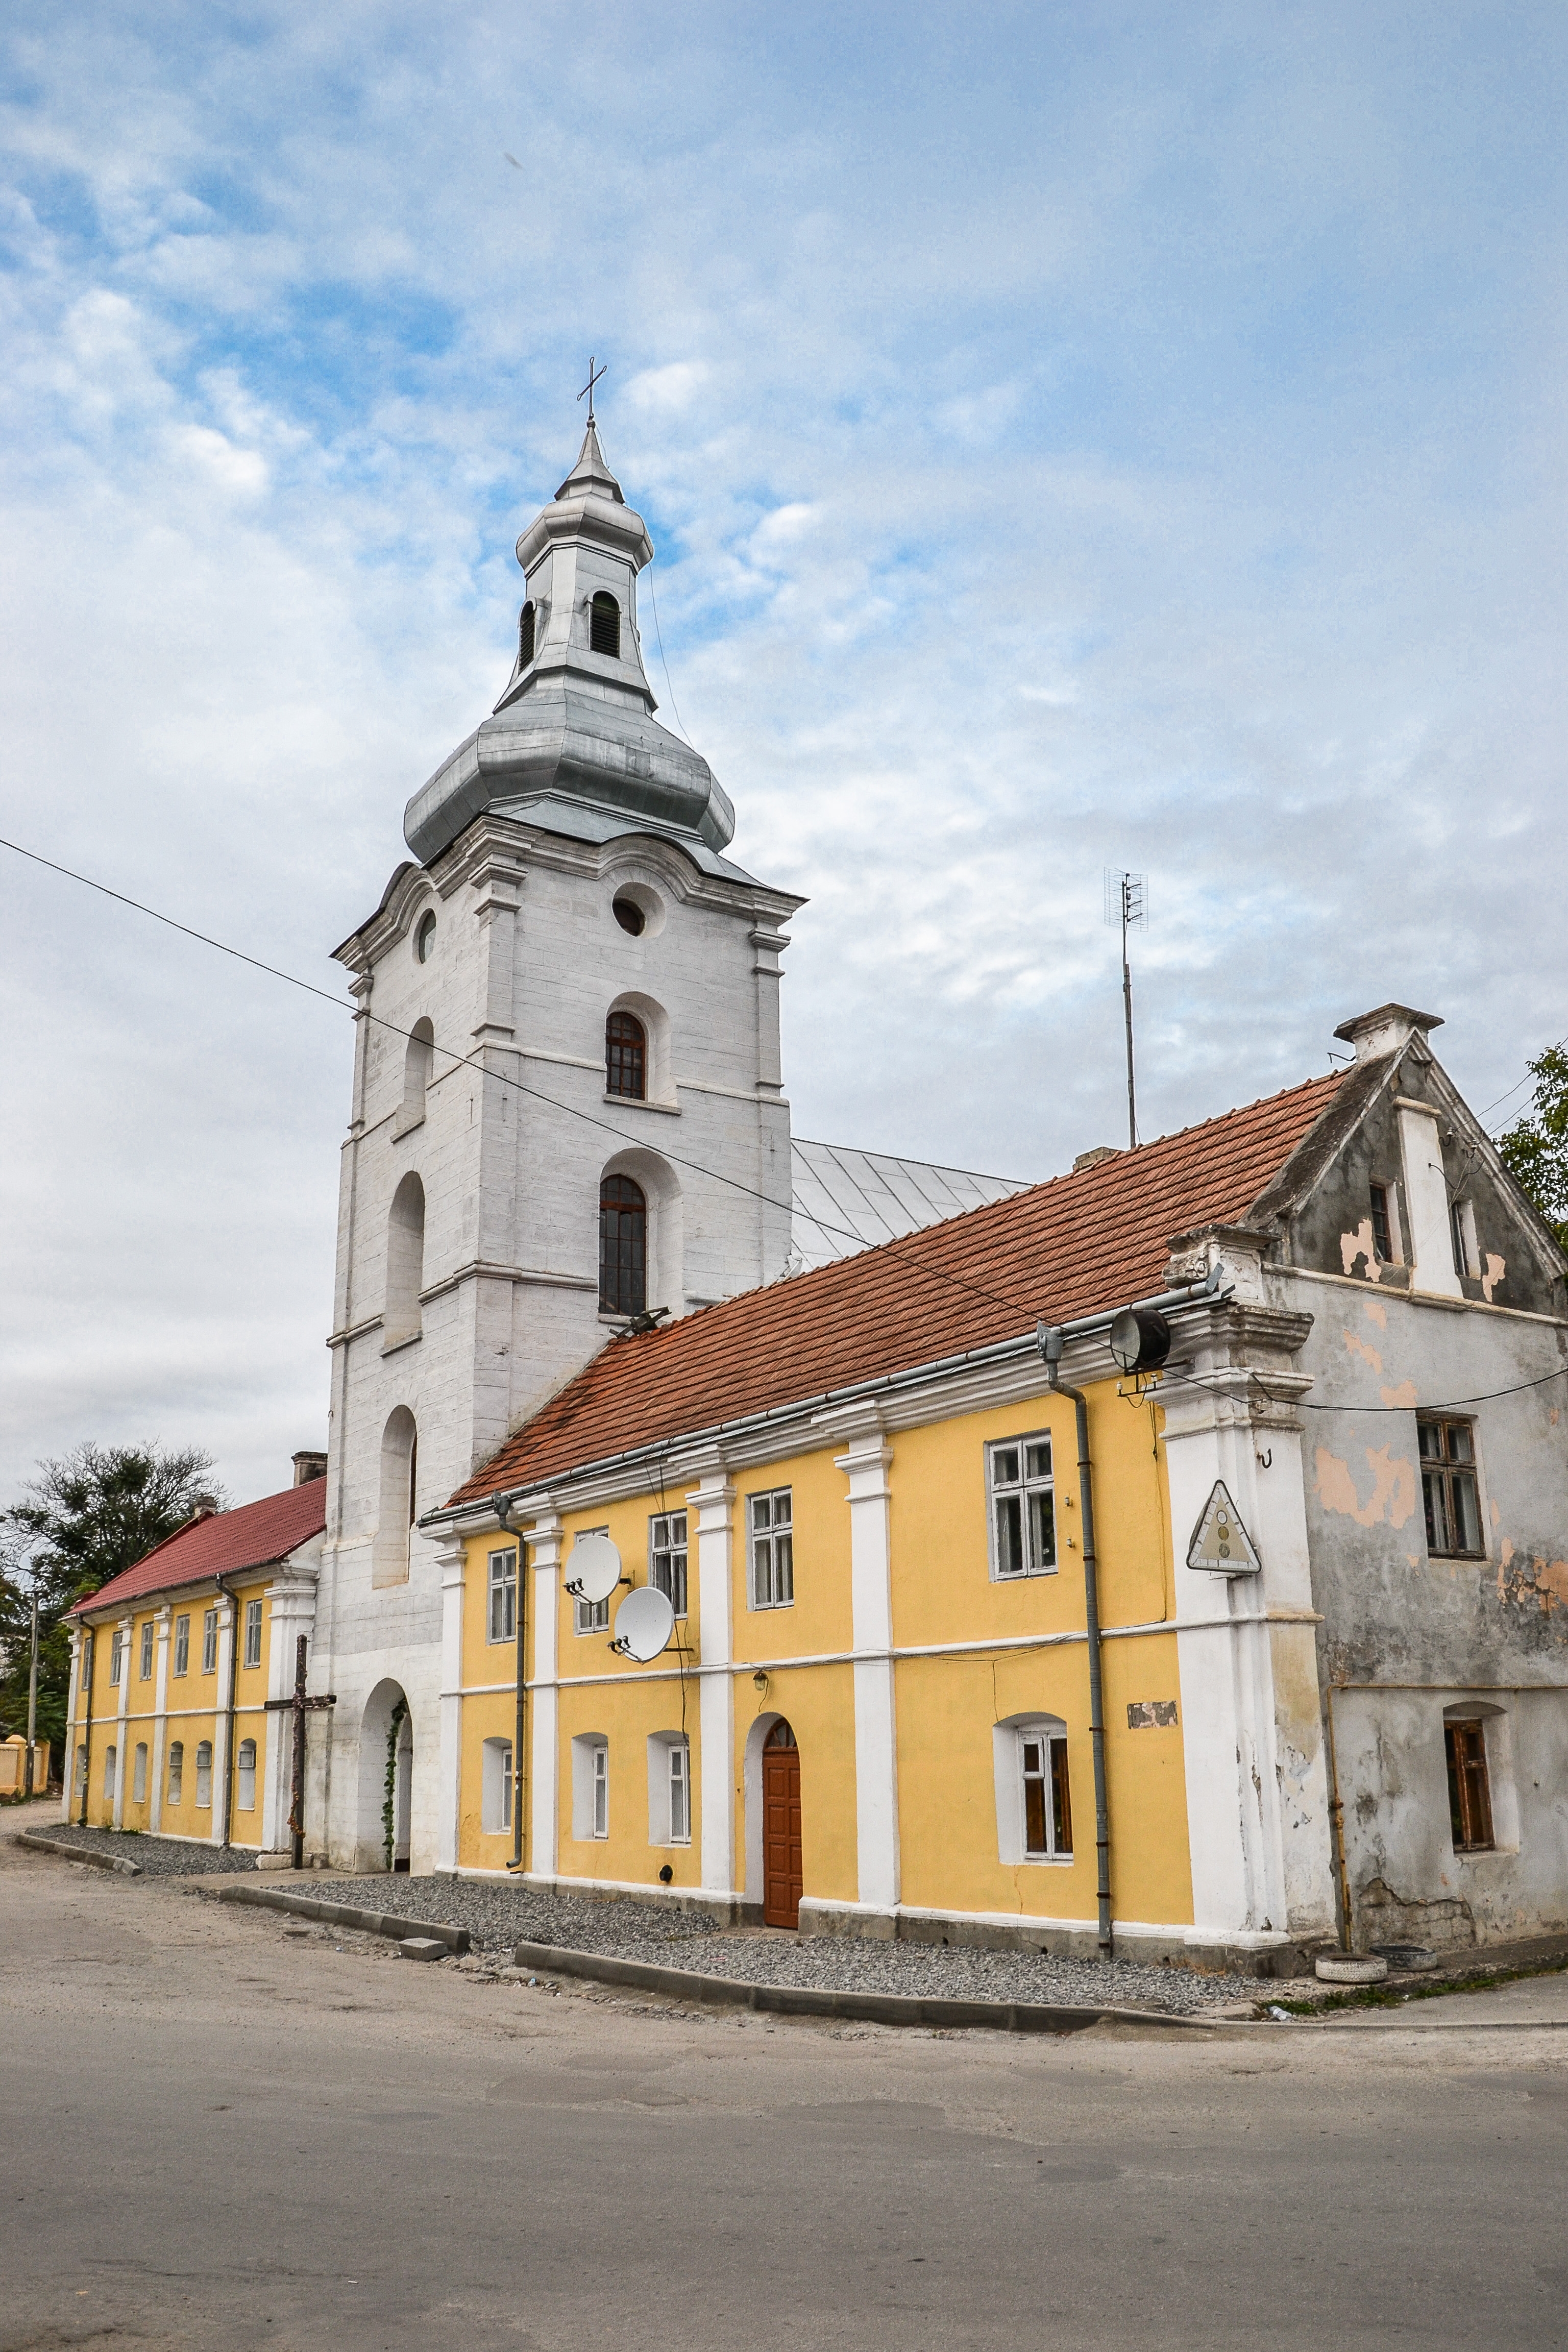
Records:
x=1220, y=1543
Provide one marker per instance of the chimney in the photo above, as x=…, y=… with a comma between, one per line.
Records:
x=308, y=1467
x=1092, y=1158
x=1387, y=1031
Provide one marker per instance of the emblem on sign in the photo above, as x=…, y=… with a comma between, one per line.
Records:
x=1220, y=1543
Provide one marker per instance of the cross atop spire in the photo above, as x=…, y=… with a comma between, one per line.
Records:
x=588, y=392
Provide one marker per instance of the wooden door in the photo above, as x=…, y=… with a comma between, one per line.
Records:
x=781, y=1829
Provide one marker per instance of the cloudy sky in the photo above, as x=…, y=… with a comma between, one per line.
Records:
x=1072, y=435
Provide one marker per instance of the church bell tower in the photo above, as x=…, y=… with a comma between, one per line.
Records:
x=568, y=1112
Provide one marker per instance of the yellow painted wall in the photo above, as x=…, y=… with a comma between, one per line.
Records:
x=947, y=1707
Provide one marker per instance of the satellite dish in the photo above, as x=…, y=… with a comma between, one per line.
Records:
x=592, y=1569
x=644, y=1623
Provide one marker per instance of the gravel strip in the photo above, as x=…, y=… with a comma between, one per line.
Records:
x=155, y=1857
x=497, y=1915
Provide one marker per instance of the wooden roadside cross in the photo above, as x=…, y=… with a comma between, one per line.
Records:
x=298, y=1706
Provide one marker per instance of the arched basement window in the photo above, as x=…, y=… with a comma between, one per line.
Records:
x=405, y=1262
x=623, y=1247
x=604, y=625
x=626, y=1056
x=525, y=621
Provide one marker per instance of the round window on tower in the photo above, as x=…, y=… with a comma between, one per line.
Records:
x=638, y=909
x=425, y=938
x=630, y=916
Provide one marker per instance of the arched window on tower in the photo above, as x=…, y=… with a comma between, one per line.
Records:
x=604, y=625
x=623, y=1247
x=404, y=1262
x=525, y=621
x=626, y=1056
x=399, y=1498
x=417, y=1068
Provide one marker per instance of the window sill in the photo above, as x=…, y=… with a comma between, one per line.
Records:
x=1476, y=1559
x=406, y=1127
x=1043, y=1861
x=408, y=1340
x=1026, y=1575
x=644, y=1102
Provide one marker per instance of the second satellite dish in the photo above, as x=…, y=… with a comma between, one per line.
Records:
x=592, y=1569
x=644, y=1623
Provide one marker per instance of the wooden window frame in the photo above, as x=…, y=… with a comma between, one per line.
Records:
x=183, y=1644
x=1053, y=1805
x=1470, y=1815
x=252, y=1634
x=626, y=1055
x=623, y=1272
x=147, y=1640
x=1445, y=1474
x=1031, y=1495
x=668, y=1557
x=770, y=1548
x=500, y=1595
x=1382, y=1225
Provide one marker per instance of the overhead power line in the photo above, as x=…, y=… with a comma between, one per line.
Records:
x=466, y=1062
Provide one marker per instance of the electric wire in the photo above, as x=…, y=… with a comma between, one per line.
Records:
x=466, y=1062
x=658, y=633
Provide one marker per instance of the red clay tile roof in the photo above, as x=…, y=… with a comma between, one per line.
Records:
x=224, y=1545
x=1073, y=1246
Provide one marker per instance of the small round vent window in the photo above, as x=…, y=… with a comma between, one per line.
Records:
x=630, y=916
x=425, y=938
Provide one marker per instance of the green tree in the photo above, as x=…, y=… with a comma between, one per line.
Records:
x=1535, y=1150
x=82, y=1519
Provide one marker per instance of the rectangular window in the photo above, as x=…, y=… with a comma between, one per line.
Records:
x=1382, y=1231
x=176, y=1772
x=771, y=1522
x=147, y=1651
x=253, y=1633
x=496, y=1787
x=679, y=1795
x=1048, y=1803
x=182, y=1646
x=209, y=1642
x=667, y=1558
x=601, y=1792
x=589, y=1616
x=1023, y=1508
x=116, y=1658
x=1448, y=1489
x=501, y=1620
x=1462, y=1220
x=1469, y=1790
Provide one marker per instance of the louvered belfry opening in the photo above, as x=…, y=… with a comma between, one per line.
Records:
x=604, y=625
x=623, y=1247
x=525, y=621
x=626, y=1056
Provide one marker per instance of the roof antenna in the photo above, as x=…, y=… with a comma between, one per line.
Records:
x=1127, y=904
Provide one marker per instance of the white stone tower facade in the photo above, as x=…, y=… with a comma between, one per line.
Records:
x=567, y=1107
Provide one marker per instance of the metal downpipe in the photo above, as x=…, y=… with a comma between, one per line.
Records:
x=1053, y=1354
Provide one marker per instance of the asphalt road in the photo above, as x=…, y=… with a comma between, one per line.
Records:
x=219, y=2132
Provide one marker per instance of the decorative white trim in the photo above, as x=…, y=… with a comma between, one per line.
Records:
x=219, y=1712
x=865, y=1464
x=546, y=1536
x=126, y=1667
x=711, y=1506
x=450, y=1559
x=163, y=1620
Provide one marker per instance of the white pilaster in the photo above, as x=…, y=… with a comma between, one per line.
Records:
x=711, y=1503
x=865, y=1464
x=544, y=1537
x=126, y=1670
x=290, y=1612
x=450, y=1559
x=163, y=1619
x=73, y=1734
x=220, y=1720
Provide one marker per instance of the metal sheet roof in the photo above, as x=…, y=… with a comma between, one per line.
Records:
x=845, y=1201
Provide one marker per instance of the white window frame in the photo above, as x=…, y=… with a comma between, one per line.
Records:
x=502, y=1589
x=116, y=1657
x=1020, y=1490
x=204, y=1775
x=175, y=1794
x=669, y=1789
x=244, y=1793
x=496, y=1781
x=1007, y=1757
x=139, y=1774
x=209, y=1641
x=587, y=1616
x=183, y=1644
x=770, y=1548
x=668, y=1558
x=147, y=1634
x=253, y=1633
x=590, y=1786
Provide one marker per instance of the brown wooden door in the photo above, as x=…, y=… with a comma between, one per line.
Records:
x=781, y=1829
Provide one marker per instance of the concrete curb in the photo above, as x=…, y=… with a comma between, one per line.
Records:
x=340, y=1915
x=89, y=1853
x=820, y=2000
